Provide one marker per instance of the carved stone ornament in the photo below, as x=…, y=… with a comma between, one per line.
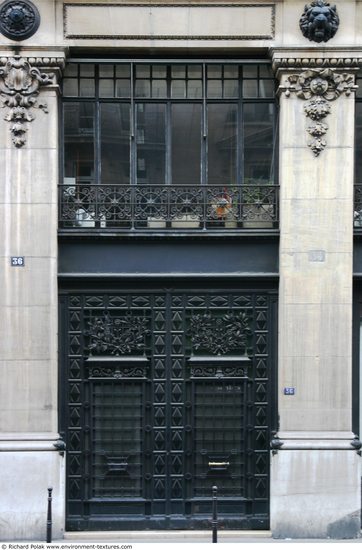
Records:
x=20, y=85
x=18, y=20
x=319, y=87
x=320, y=21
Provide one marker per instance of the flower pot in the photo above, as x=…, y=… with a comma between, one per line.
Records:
x=186, y=221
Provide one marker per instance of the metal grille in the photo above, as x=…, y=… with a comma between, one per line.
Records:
x=220, y=420
x=116, y=439
x=357, y=215
x=168, y=393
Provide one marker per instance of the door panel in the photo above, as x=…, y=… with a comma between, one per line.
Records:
x=167, y=395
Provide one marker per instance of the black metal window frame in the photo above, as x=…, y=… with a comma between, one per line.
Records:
x=357, y=214
x=264, y=196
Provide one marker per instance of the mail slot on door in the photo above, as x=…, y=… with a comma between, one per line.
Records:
x=219, y=466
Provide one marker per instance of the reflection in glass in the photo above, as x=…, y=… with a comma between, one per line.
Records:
x=358, y=143
x=79, y=141
x=151, y=142
x=186, y=143
x=258, y=141
x=115, y=143
x=222, y=143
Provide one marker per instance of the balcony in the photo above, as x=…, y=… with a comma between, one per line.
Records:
x=357, y=214
x=166, y=209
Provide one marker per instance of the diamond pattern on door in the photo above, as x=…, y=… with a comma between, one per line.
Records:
x=168, y=394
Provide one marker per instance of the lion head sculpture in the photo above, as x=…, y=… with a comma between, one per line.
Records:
x=319, y=21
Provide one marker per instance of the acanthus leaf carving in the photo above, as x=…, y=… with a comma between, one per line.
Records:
x=20, y=85
x=319, y=87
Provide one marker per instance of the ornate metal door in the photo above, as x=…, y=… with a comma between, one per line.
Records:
x=167, y=394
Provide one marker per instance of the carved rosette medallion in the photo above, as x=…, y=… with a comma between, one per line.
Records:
x=319, y=87
x=20, y=84
x=18, y=20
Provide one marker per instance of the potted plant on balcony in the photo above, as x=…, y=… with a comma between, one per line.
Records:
x=224, y=208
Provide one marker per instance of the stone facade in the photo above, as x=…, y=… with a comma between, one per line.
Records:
x=316, y=471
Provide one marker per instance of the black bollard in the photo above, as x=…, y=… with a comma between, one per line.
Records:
x=214, y=521
x=49, y=515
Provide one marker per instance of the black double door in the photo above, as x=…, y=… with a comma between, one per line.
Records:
x=168, y=393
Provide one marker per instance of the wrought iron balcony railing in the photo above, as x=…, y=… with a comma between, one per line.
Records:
x=168, y=207
x=357, y=215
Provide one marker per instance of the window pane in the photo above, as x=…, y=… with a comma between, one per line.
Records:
x=214, y=88
x=115, y=143
x=266, y=88
x=159, y=88
x=186, y=143
x=231, y=71
x=178, y=71
x=106, y=71
x=159, y=71
x=79, y=141
x=123, y=88
x=231, y=89
x=250, y=88
x=250, y=71
x=106, y=88
x=123, y=71
x=143, y=88
x=151, y=142
x=194, y=89
x=358, y=146
x=87, y=87
x=265, y=71
x=214, y=71
x=143, y=71
x=86, y=70
x=222, y=143
x=178, y=89
x=194, y=71
x=258, y=141
x=71, y=70
x=70, y=87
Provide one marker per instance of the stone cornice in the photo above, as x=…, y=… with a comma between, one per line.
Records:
x=286, y=60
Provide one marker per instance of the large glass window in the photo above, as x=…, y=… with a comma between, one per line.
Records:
x=358, y=158
x=171, y=123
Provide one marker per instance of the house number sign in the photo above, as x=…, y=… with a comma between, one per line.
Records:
x=17, y=261
x=289, y=391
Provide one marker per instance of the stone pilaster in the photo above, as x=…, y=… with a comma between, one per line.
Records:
x=29, y=461
x=317, y=466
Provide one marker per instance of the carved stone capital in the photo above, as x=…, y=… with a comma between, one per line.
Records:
x=21, y=80
x=318, y=87
x=328, y=84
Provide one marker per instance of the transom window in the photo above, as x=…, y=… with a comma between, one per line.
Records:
x=169, y=123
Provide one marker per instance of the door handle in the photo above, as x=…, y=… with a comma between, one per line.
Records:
x=219, y=464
